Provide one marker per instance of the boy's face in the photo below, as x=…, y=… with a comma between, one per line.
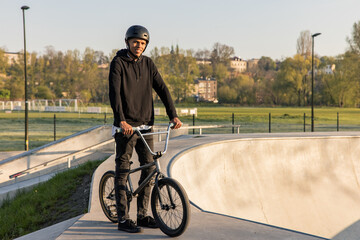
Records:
x=137, y=46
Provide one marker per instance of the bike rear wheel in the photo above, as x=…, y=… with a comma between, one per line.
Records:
x=172, y=213
x=107, y=196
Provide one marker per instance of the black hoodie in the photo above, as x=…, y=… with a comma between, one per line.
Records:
x=130, y=90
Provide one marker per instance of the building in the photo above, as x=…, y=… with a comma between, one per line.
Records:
x=12, y=57
x=252, y=63
x=206, y=89
x=204, y=61
x=329, y=69
x=238, y=65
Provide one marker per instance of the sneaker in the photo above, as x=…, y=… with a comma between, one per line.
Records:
x=129, y=226
x=147, y=222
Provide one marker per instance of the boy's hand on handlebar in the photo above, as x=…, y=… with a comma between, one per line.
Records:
x=177, y=123
x=126, y=128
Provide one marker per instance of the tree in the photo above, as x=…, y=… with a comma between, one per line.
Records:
x=178, y=69
x=238, y=90
x=3, y=67
x=89, y=81
x=3, y=61
x=113, y=54
x=43, y=92
x=227, y=94
x=342, y=88
x=304, y=44
x=244, y=86
x=354, y=41
x=4, y=94
x=221, y=53
x=205, y=70
x=203, y=54
x=266, y=64
x=293, y=81
x=15, y=79
x=221, y=73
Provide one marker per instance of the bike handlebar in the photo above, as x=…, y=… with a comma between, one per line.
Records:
x=138, y=130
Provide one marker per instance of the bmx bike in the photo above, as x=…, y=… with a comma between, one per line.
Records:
x=169, y=201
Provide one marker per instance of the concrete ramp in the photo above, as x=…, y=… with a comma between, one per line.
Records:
x=307, y=184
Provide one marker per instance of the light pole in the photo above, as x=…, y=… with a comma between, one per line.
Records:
x=312, y=82
x=23, y=8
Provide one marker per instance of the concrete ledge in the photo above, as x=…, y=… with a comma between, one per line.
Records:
x=54, y=150
x=51, y=232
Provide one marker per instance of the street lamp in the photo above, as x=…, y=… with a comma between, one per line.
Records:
x=312, y=82
x=23, y=8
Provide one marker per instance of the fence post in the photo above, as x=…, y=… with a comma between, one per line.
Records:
x=338, y=122
x=54, y=127
x=304, y=122
x=233, y=122
x=104, y=117
x=193, y=123
x=269, y=122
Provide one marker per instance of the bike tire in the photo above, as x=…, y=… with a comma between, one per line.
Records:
x=107, y=196
x=172, y=220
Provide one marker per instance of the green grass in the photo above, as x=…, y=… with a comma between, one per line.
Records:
x=252, y=120
x=41, y=127
x=46, y=204
x=256, y=120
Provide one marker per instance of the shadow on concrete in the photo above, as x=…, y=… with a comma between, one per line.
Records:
x=350, y=233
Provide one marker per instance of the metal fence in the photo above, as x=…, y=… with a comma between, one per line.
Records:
x=45, y=127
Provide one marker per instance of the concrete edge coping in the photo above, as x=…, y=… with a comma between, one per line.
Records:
x=32, y=151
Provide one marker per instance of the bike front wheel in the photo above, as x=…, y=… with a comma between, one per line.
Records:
x=107, y=195
x=170, y=207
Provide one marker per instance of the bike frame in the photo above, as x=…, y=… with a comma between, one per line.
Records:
x=156, y=156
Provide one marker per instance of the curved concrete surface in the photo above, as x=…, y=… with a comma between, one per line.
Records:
x=200, y=173
x=308, y=184
x=94, y=224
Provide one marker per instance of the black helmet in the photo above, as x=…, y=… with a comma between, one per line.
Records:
x=137, y=31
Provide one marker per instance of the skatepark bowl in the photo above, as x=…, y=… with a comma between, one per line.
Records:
x=308, y=184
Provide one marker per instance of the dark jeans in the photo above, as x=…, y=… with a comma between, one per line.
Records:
x=125, y=145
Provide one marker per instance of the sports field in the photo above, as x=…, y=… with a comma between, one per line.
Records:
x=252, y=120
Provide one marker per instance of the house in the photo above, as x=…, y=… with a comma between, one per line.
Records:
x=204, y=61
x=206, y=89
x=12, y=57
x=329, y=69
x=238, y=65
x=252, y=63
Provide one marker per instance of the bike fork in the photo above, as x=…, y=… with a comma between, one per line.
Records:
x=166, y=207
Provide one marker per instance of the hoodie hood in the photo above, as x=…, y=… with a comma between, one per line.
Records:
x=124, y=54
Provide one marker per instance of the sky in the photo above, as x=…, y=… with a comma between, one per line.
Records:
x=254, y=28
